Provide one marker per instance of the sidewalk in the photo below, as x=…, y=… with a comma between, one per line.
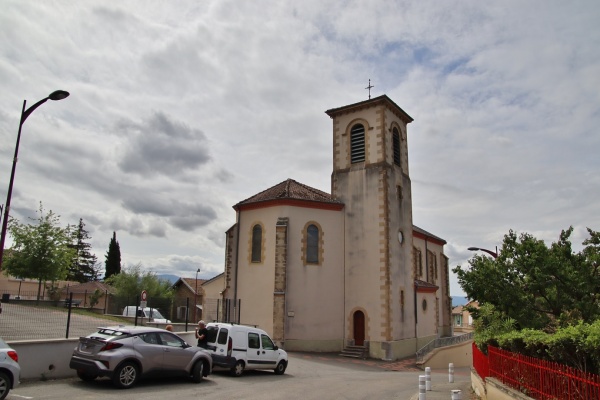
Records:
x=441, y=389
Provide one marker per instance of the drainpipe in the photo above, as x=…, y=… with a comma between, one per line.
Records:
x=426, y=261
x=416, y=318
x=237, y=257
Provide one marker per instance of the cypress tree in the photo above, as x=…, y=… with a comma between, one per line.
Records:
x=113, y=258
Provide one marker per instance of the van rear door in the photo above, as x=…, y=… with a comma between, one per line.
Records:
x=218, y=345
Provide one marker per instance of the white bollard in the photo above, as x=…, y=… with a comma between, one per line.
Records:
x=422, y=394
x=451, y=373
x=428, y=378
x=456, y=395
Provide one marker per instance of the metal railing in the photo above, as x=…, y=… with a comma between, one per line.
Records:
x=442, y=342
x=538, y=379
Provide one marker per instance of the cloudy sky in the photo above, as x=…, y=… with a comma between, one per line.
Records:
x=180, y=109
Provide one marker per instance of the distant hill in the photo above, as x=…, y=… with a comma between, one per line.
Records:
x=168, y=277
x=459, y=301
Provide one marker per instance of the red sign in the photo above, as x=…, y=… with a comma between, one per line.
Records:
x=144, y=295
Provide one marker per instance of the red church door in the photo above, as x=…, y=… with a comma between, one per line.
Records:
x=359, y=328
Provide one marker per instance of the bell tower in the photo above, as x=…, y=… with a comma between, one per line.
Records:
x=371, y=177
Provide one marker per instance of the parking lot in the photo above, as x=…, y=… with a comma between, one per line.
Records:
x=309, y=376
x=28, y=322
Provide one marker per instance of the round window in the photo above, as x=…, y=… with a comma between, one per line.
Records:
x=424, y=305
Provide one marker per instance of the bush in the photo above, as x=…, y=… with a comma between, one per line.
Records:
x=577, y=346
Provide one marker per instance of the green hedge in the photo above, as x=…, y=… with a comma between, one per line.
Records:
x=577, y=346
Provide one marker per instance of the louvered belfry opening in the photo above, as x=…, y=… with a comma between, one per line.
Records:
x=357, y=144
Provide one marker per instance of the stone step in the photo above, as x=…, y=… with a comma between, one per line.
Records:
x=354, y=352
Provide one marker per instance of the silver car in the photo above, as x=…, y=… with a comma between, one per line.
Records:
x=10, y=371
x=127, y=353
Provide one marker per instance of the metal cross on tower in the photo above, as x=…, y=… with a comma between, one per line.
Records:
x=370, y=87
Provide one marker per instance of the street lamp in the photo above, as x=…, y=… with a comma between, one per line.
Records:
x=57, y=95
x=196, y=297
x=492, y=253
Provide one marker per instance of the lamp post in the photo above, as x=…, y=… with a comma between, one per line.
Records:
x=490, y=252
x=56, y=95
x=196, y=297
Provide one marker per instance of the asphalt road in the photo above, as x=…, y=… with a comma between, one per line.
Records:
x=307, y=377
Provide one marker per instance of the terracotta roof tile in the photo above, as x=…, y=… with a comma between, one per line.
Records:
x=425, y=233
x=190, y=283
x=290, y=189
x=423, y=284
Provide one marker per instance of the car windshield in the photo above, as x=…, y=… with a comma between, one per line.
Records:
x=155, y=314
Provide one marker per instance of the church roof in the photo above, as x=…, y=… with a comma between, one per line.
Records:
x=383, y=99
x=423, y=233
x=290, y=192
x=426, y=287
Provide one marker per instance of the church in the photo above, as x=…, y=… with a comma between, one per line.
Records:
x=322, y=271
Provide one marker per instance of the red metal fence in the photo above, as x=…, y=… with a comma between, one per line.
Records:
x=480, y=362
x=539, y=379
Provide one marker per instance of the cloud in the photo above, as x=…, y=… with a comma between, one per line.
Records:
x=161, y=146
x=177, y=112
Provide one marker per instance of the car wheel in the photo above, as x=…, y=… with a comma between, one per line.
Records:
x=280, y=368
x=4, y=385
x=197, y=372
x=126, y=375
x=84, y=376
x=238, y=369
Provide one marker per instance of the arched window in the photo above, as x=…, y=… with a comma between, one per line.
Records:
x=312, y=244
x=357, y=143
x=396, y=146
x=256, y=243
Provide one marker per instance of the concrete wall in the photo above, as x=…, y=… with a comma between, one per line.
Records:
x=49, y=359
x=27, y=288
x=213, y=288
x=497, y=391
x=461, y=355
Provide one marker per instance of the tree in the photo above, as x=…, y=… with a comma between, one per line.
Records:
x=540, y=287
x=84, y=265
x=132, y=280
x=113, y=258
x=40, y=251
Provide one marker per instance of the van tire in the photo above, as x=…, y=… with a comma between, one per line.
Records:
x=238, y=369
x=198, y=371
x=280, y=368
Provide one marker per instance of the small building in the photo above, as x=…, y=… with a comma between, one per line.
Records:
x=213, y=298
x=188, y=295
x=462, y=320
x=94, y=294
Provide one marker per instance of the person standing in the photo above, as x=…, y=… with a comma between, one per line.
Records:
x=201, y=334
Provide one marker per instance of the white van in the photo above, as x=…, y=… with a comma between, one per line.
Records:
x=240, y=347
x=152, y=314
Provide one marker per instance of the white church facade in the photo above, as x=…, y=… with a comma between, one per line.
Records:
x=320, y=271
